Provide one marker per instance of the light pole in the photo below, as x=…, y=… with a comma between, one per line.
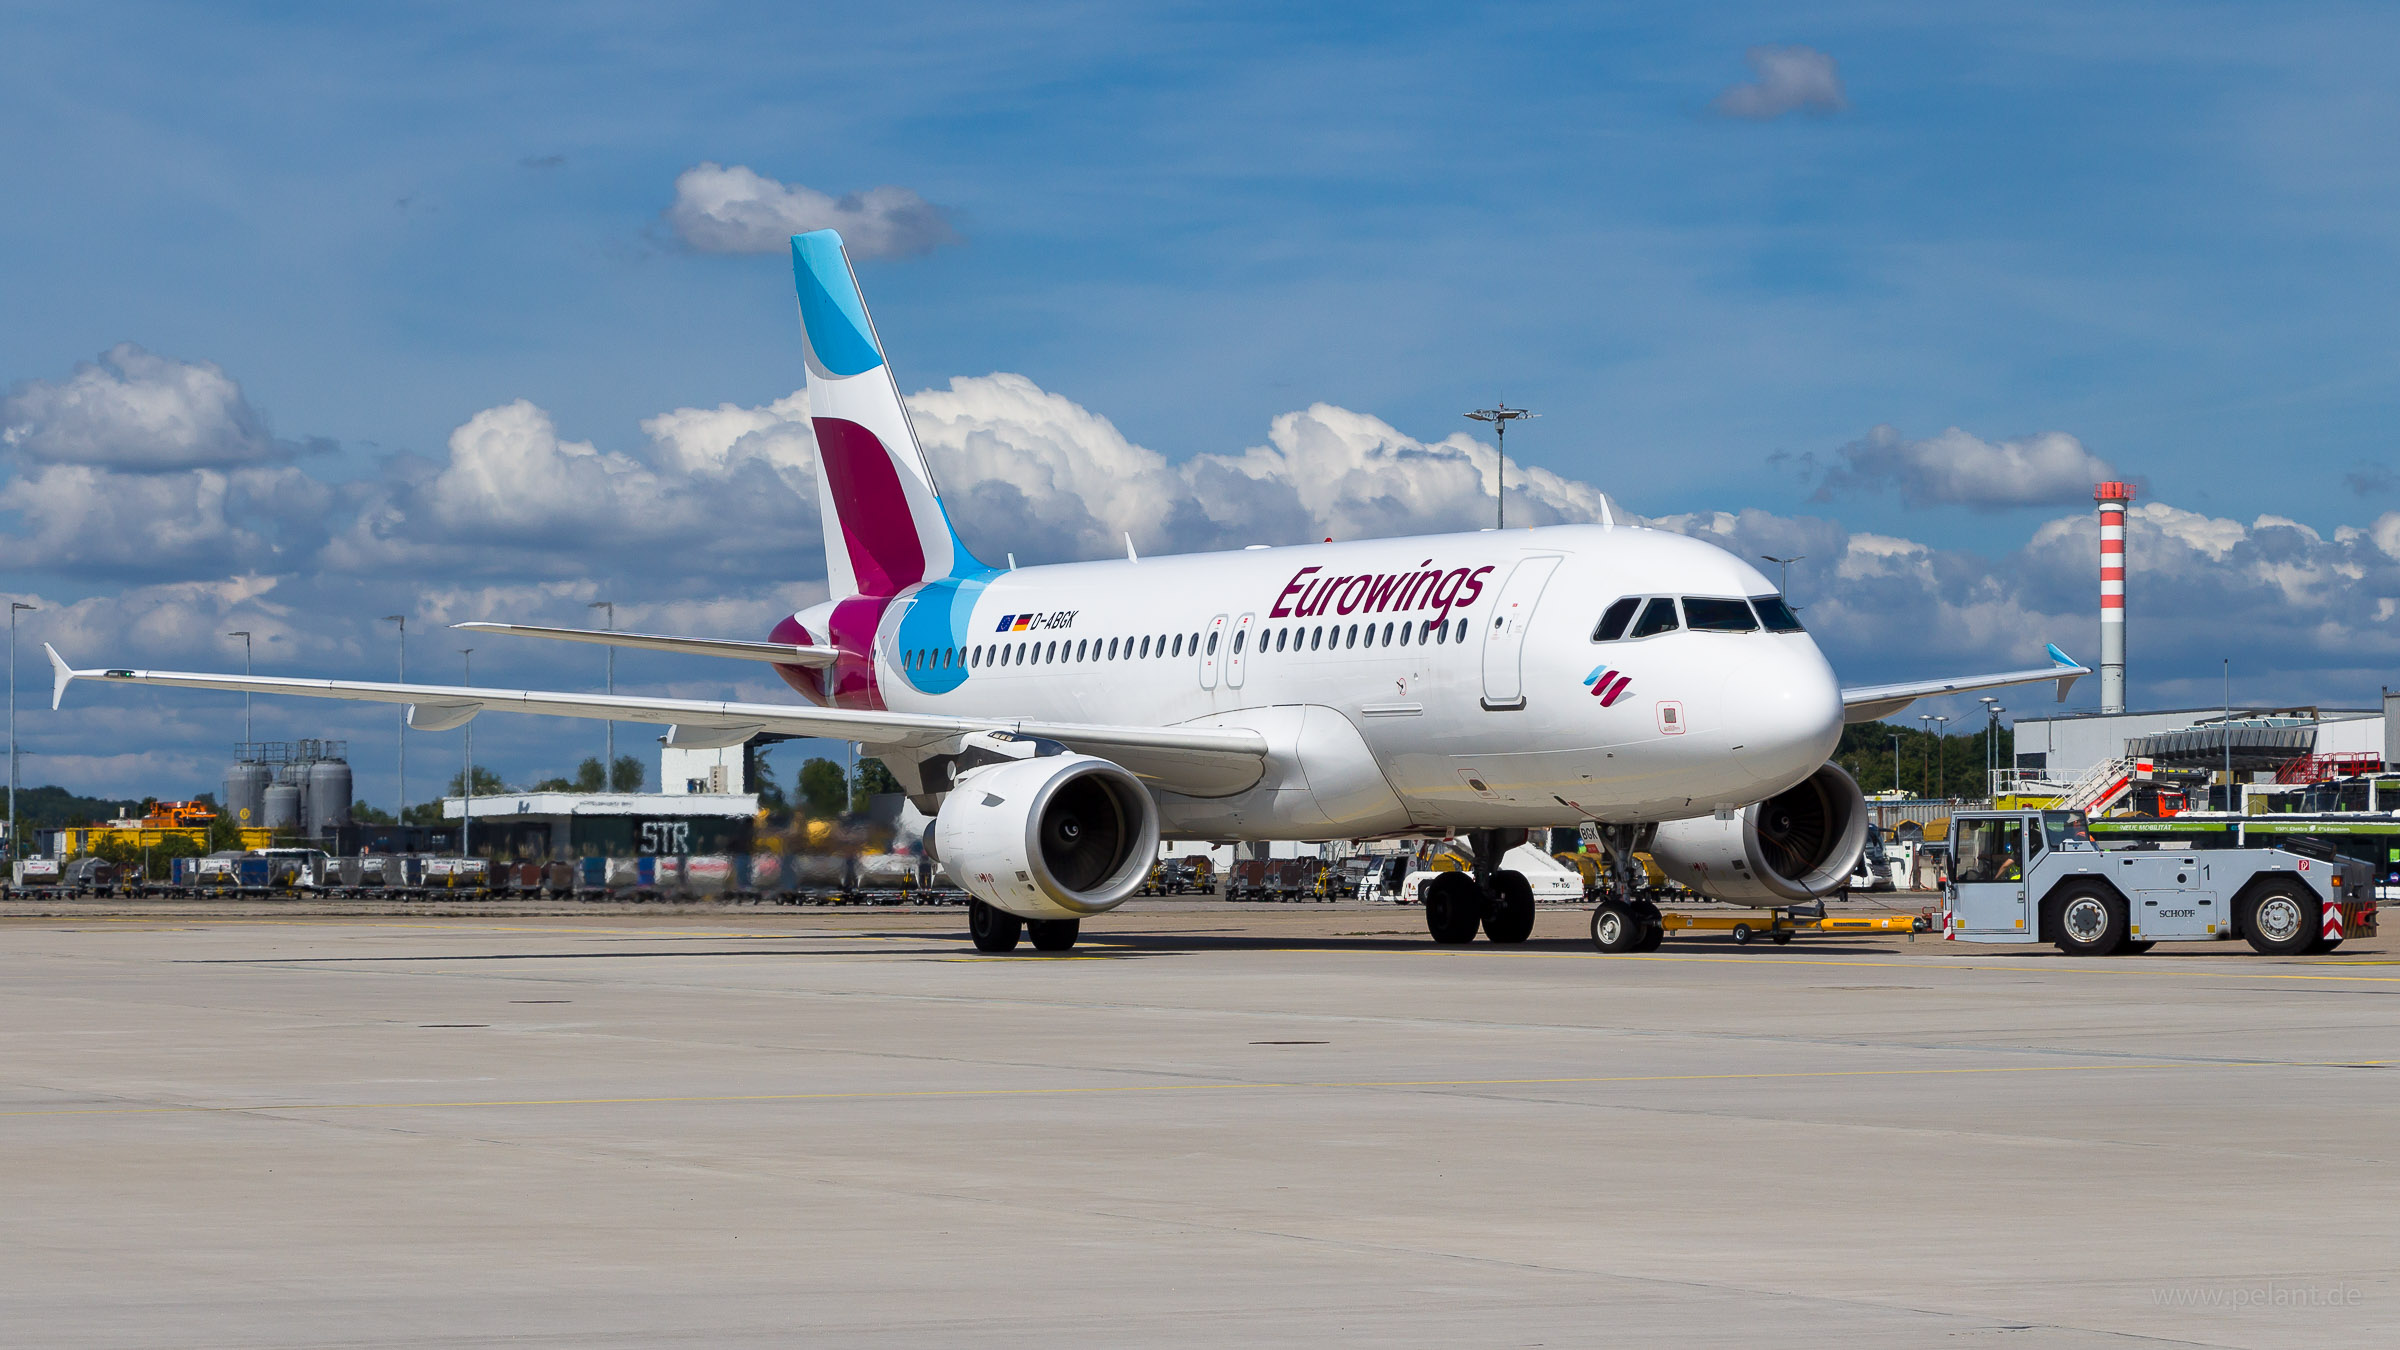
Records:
x=2224, y=737
x=400, y=811
x=1895, y=761
x=1941, y=754
x=1783, y=585
x=1925, y=761
x=14, y=851
x=466, y=783
x=1995, y=735
x=1991, y=740
x=1500, y=416
x=244, y=635
x=608, y=764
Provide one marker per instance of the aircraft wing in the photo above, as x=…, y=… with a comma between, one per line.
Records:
x=1196, y=761
x=1869, y=703
x=781, y=653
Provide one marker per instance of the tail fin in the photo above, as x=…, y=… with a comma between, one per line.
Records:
x=885, y=529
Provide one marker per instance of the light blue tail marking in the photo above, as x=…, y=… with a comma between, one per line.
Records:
x=830, y=306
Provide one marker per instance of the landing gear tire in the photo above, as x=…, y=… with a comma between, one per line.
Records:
x=1654, y=926
x=1453, y=908
x=1510, y=918
x=1618, y=927
x=994, y=929
x=1053, y=935
x=2090, y=923
x=2284, y=919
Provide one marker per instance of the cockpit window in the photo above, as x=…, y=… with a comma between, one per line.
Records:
x=1777, y=615
x=1658, y=617
x=1706, y=615
x=1612, y=623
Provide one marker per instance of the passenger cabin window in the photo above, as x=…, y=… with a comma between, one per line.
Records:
x=1613, y=621
x=1702, y=614
x=1777, y=615
x=1657, y=617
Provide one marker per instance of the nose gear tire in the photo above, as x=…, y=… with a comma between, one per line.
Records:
x=1617, y=927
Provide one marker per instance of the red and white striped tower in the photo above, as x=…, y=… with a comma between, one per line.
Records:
x=2113, y=499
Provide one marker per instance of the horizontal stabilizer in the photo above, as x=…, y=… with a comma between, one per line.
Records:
x=781, y=653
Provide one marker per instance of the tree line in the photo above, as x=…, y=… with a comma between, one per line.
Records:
x=1929, y=765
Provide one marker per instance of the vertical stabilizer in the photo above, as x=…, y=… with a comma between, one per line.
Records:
x=885, y=529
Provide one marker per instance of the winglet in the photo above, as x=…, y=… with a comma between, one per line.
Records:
x=61, y=675
x=2066, y=663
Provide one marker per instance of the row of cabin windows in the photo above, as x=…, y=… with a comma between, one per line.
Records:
x=1323, y=637
x=1043, y=653
x=1701, y=614
x=1319, y=638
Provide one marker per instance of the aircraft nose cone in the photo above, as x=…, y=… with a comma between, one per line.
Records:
x=1788, y=713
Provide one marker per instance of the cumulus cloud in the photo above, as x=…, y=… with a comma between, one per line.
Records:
x=1789, y=79
x=200, y=523
x=1959, y=469
x=718, y=493
x=135, y=410
x=734, y=209
x=1031, y=472
x=2302, y=615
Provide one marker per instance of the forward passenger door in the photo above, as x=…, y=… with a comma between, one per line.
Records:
x=1504, y=632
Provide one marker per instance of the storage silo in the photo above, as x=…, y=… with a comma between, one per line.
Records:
x=246, y=793
x=282, y=810
x=328, y=802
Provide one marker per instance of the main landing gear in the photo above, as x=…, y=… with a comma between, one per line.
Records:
x=996, y=930
x=1498, y=901
x=1624, y=922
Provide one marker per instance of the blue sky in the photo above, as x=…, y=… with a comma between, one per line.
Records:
x=2166, y=234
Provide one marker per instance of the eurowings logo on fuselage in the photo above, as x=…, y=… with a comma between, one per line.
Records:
x=1607, y=685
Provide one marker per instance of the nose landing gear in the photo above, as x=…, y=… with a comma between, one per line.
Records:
x=1624, y=921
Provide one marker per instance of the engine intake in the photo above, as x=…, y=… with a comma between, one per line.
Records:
x=1791, y=848
x=1052, y=837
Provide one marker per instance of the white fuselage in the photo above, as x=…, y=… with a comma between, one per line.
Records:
x=1485, y=713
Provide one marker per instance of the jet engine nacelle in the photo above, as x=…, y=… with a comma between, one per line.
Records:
x=1791, y=848
x=1053, y=837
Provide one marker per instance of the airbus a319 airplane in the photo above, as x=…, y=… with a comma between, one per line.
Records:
x=1058, y=721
